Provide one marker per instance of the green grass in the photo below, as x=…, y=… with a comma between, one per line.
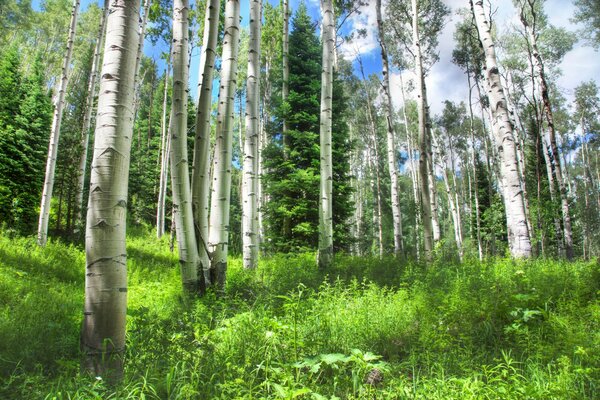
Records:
x=498, y=329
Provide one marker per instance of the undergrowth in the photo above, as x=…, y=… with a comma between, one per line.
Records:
x=366, y=329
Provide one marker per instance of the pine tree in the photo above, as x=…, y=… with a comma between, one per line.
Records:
x=292, y=183
x=25, y=116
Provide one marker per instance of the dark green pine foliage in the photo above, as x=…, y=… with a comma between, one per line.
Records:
x=25, y=117
x=66, y=188
x=292, y=183
x=144, y=169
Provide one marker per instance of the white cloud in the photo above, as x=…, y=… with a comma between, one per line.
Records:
x=367, y=20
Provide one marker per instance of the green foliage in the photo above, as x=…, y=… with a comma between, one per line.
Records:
x=292, y=180
x=369, y=329
x=588, y=12
x=25, y=117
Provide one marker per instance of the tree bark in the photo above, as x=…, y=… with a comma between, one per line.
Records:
x=42, y=236
x=180, y=179
x=250, y=166
x=164, y=158
x=89, y=106
x=221, y=187
x=391, y=140
x=285, y=91
x=553, y=148
x=325, y=257
x=424, y=143
x=516, y=221
x=201, y=169
x=103, y=329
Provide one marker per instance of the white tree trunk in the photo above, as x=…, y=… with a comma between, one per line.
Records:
x=89, y=105
x=250, y=166
x=221, y=188
x=553, y=148
x=391, y=140
x=42, y=236
x=201, y=169
x=516, y=220
x=103, y=328
x=180, y=179
x=140, y=52
x=325, y=257
x=424, y=143
x=164, y=158
x=285, y=91
x=413, y=170
x=474, y=167
x=451, y=195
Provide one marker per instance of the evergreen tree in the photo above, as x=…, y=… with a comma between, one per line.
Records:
x=25, y=116
x=293, y=183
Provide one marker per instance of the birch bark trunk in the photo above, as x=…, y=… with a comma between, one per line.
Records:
x=553, y=148
x=218, y=238
x=516, y=221
x=103, y=328
x=424, y=143
x=391, y=140
x=180, y=179
x=325, y=257
x=250, y=166
x=164, y=158
x=285, y=55
x=87, y=118
x=201, y=168
x=42, y=236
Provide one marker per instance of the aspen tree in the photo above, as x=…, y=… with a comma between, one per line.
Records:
x=424, y=143
x=250, y=165
x=285, y=56
x=391, y=140
x=163, y=157
x=516, y=220
x=180, y=180
x=201, y=169
x=103, y=329
x=42, y=236
x=89, y=105
x=221, y=185
x=325, y=257
x=529, y=6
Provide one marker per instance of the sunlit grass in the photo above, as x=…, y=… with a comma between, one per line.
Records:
x=498, y=329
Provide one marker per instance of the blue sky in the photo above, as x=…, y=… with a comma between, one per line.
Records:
x=445, y=80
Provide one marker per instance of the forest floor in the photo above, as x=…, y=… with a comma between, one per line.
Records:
x=368, y=329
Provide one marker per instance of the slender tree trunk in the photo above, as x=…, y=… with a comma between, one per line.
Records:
x=201, y=169
x=89, y=106
x=553, y=148
x=285, y=91
x=103, y=329
x=521, y=137
x=180, y=179
x=221, y=188
x=451, y=194
x=373, y=162
x=164, y=158
x=424, y=143
x=55, y=131
x=140, y=52
x=518, y=235
x=391, y=140
x=474, y=167
x=325, y=257
x=413, y=170
x=250, y=166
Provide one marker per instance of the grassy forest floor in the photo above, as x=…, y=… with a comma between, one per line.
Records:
x=368, y=329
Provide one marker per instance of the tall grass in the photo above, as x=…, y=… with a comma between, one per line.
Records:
x=365, y=329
